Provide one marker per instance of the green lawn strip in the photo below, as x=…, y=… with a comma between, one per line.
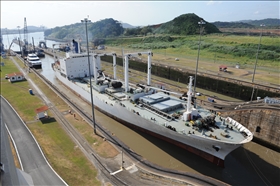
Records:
x=214, y=47
x=209, y=61
x=82, y=126
x=68, y=160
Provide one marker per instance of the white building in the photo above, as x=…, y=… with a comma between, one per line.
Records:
x=16, y=76
x=42, y=112
x=77, y=68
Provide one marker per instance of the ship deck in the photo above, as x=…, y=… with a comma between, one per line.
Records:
x=228, y=131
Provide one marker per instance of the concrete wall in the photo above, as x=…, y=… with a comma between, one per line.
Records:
x=226, y=86
x=266, y=120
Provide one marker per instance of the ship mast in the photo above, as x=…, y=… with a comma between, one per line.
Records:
x=25, y=33
x=189, y=95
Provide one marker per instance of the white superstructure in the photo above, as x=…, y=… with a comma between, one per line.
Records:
x=33, y=60
x=151, y=110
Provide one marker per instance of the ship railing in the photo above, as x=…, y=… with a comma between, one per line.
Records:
x=248, y=134
x=143, y=116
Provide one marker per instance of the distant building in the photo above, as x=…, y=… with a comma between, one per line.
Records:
x=16, y=76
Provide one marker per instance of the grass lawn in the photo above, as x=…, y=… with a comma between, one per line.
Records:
x=61, y=152
x=267, y=71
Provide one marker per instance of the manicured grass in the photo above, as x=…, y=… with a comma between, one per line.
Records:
x=267, y=71
x=61, y=152
x=104, y=148
x=219, y=47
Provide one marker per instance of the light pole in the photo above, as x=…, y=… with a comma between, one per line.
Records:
x=86, y=21
x=19, y=42
x=262, y=25
x=122, y=159
x=200, y=23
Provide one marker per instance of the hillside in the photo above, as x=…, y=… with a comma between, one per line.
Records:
x=183, y=25
x=232, y=25
x=186, y=24
x=267, y=22
x=250, y=27
x=126, y=25
x=100, y=29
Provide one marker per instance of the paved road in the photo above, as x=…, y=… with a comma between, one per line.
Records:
x=33, y=161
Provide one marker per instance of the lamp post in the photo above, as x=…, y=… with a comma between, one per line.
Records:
x=122, y=167
x=253, y=78
x=200, y=23
x=19, y=42
x=86, y=21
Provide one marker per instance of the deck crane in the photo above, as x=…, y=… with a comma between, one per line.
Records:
x=25, y=40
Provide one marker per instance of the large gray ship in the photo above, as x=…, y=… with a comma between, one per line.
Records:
x=167, y=115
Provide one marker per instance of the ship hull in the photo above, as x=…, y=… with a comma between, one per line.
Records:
x=198, y=145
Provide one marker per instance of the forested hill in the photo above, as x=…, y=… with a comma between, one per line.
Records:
x=186, y=24
x=269, y=23
x=100, y=29
x=232, y=25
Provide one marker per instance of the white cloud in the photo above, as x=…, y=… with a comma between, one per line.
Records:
x=257, y=12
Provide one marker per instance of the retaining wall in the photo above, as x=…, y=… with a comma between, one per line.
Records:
x=263, y=123
x=226, y=86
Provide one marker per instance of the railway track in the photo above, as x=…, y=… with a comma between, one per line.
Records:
x=75, y=135
x=86, y=148
x=89, y=152
x=221, y=105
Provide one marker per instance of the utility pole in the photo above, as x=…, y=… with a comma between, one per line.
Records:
x=200, y=23
x=253, y=78
x=86, y=21
x=19, y=41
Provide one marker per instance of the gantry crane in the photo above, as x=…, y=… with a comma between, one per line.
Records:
x=25, y=40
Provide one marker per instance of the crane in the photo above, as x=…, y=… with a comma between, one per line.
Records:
x=25, y=40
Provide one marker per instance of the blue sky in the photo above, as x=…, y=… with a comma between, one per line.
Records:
x=137, y=13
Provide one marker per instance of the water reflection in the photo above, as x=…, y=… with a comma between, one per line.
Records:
x=37, y=37
x=47, y=70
